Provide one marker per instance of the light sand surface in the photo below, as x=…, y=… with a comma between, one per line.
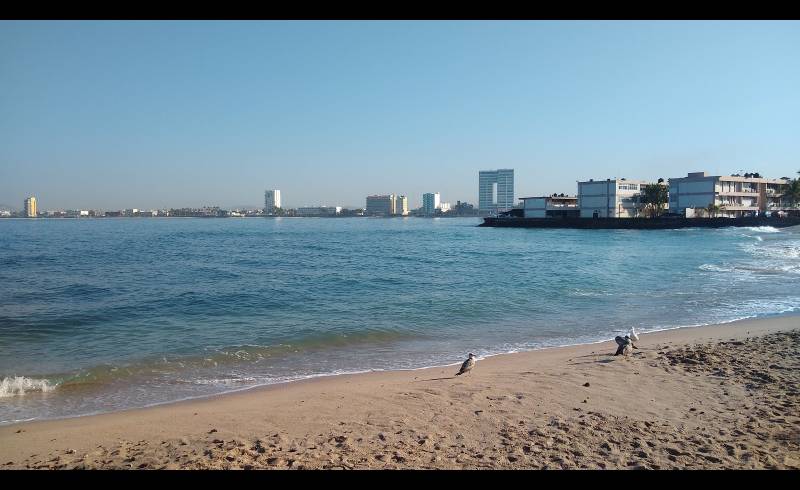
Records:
x=722, y=396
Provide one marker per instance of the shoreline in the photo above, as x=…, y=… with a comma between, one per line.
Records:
x=309, y=378
x=302, y=411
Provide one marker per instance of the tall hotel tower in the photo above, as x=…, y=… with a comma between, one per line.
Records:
x=430, y=203
x=272, y=200
x=496, y=190
x=30, y=207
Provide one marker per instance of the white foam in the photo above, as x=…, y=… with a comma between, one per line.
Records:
x=20, y=385
x=762, y=229
x=715, y=268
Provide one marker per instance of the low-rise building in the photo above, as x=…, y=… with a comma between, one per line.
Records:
x=319, y=211
x=610, y=198
x=735, y=195
x=555, y=206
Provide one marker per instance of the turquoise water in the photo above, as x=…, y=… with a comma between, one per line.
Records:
x=99, y=315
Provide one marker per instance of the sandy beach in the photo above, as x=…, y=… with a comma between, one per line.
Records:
x=722, y=396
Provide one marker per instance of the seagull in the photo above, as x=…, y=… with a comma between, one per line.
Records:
x=625, y=345
x=633, y=335
x=468, y=365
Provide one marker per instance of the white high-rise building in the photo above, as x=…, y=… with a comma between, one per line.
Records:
x=430, y=203
x=401, y=206
x=496, y=190
x=30, y=207
x=272, y=200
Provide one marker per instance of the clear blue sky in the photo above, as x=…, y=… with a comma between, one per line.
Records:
x=168, y=114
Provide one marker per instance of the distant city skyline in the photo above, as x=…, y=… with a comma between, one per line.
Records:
x=158, y=115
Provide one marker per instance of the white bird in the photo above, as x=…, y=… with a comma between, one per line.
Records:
x=633, y=335
x=468, y=365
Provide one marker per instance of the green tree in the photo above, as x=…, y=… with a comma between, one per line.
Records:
x=713, y=209
x=654, y=197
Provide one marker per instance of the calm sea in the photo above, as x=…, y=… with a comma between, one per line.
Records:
x=99, y=315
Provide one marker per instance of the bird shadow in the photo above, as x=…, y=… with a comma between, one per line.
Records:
x=433, y=379
x=598, y=361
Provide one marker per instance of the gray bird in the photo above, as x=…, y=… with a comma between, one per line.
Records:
x=468, y=365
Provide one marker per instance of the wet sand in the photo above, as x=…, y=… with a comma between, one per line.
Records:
x=722, y=396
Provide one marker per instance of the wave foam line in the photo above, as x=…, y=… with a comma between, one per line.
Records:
x=20, y=385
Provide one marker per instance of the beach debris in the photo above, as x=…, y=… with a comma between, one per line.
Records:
x=586, y=384
x=468, y=365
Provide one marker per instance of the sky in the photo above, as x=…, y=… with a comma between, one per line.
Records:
x=160, y=114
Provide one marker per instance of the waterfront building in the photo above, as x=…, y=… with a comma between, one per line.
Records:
x=555, y=206
x=444, y=207
x=735, y=194
x=430, y=203
x=30, y=207
x=319, y=211
x=496, y=190
x=465, y=209
x=610, y=198
x=272, y=200
x=381, y=205
x=401, y=206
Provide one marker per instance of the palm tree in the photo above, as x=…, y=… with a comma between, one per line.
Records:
x=713, y=209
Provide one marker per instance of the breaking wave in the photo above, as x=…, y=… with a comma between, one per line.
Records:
x=20, y=385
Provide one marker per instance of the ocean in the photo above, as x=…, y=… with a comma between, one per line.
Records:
x=98, y=315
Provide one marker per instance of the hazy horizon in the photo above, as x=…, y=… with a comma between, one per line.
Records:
x=138, y=114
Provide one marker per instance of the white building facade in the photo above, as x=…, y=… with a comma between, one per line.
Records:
x=272, y=200
x=736, y=195
x=550, y=207
x=610, y=198
x=496, y=190
x=31, y=209
x=401, y=206
x=319, y=211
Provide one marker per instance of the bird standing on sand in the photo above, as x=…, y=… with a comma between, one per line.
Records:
x=633, y=335
x=625, y=345
x=468, y=365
